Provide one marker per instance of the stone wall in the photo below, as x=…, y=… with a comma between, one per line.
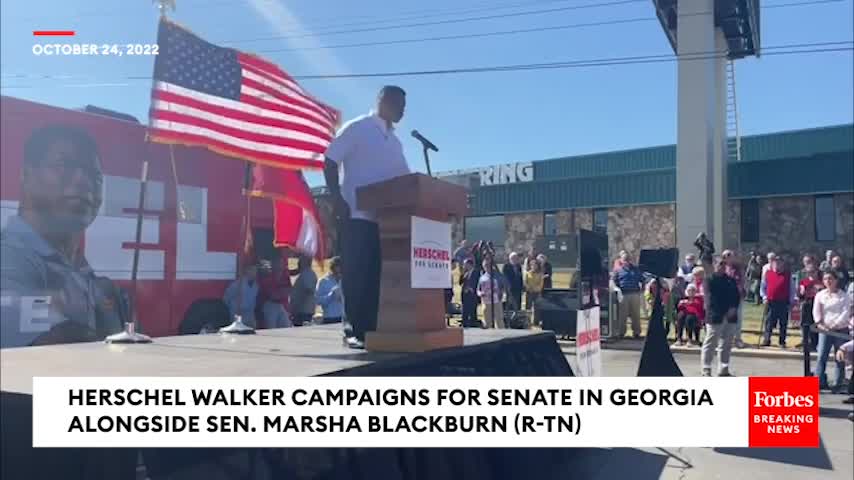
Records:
x=732, y=229
x=522, y=230
x=565, y=220
x=584, y=219
x=457, y=231
x=641, y=227
x=787, y=227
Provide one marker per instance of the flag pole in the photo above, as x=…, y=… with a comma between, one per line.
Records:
x=237, y=326
x=129, y=335
x=162, y=6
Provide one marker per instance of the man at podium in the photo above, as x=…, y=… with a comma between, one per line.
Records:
x=366, y=151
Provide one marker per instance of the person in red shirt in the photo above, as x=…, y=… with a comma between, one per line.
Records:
x=690, y=316
x=809, y=285
x=275, y=288
x=776, y=291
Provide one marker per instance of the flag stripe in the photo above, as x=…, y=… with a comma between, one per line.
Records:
x=263, y=88
x=250, y=106
x=243, y=106
x=236, y=142
x=270, y=69
x=237, y=134
x=236, y=122
x=299, y=98
x=170, y=132
x=252, y=97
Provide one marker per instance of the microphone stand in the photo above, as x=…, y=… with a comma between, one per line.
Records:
x=427, y=160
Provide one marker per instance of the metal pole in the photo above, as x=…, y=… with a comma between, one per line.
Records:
x=244, y=232
x=427, y=162
x=143, y=183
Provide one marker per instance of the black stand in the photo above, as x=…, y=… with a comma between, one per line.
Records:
x=427, y=162
x=657, y=359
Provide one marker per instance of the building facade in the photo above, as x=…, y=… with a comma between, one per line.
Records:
x=791, y=193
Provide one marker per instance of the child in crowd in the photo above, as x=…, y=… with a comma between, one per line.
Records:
x=490, y=291
x=677, y=293
x=691, y=313
x=533, y=284
x=808, y=287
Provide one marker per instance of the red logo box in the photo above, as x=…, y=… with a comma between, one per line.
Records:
x=783, y=411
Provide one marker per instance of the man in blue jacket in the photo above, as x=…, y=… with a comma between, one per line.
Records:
x=627, y=282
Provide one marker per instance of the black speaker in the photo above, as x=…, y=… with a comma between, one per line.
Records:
x=556, y=310
x=661, y=262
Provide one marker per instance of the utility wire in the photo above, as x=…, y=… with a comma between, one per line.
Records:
x=492, y=17
x=790, y=49
x=445, y=22
x=325, y=20
x=517, y=31
x=417, y=15
x=466, y=35
x=559, y=65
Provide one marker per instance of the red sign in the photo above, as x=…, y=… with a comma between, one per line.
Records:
x=783, y=412
x=431, y=254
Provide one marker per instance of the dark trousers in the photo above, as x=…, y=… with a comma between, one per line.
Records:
x=516, y=298
x=810, y=337
x=470, y=311
x=778, y=314
x=361, y=259
x=690, y=324
x=530, y=299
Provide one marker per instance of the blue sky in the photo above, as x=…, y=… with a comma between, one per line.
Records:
x=475, y=119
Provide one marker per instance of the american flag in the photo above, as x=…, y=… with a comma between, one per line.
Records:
x=235, y=103
x=245, y=107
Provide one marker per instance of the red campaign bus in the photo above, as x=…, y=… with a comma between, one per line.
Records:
x=188, y=253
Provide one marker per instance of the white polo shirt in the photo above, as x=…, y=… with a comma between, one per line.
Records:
x=367, y=151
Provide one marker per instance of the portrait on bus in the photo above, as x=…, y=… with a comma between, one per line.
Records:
x=50, y=294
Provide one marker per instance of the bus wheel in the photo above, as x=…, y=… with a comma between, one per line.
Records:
x=205, y=316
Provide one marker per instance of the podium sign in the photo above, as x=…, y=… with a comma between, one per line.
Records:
x=588, y=349
x=431, y=253
x=414, y=214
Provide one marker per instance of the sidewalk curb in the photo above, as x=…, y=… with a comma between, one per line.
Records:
x=630, y=345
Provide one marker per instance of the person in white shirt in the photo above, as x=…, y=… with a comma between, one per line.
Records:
x=831, y=312
x=686, y=270
x=366, y=151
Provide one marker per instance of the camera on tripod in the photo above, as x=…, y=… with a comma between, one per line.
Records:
x=486, y=249
x=705, y=248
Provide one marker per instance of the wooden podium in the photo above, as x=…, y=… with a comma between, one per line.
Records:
x=410, y=319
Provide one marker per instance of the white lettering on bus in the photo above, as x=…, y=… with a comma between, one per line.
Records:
x=32, y=310
x=107, y=234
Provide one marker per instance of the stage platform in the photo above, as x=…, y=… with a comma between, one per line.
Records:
x=302, y=351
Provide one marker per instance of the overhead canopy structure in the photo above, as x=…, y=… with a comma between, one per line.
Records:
x=737, y=19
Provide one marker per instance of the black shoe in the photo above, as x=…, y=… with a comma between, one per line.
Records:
x=848, y=401
x=766, y=343
x=354, y=343
x=839, y=389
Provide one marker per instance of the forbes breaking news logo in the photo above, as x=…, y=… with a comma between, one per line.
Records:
x=784, y=412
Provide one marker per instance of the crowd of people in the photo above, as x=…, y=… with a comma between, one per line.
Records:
x=265, y=296
x=707, y=309
x=496, y=291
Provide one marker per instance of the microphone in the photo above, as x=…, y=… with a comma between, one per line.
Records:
x=427, y=143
